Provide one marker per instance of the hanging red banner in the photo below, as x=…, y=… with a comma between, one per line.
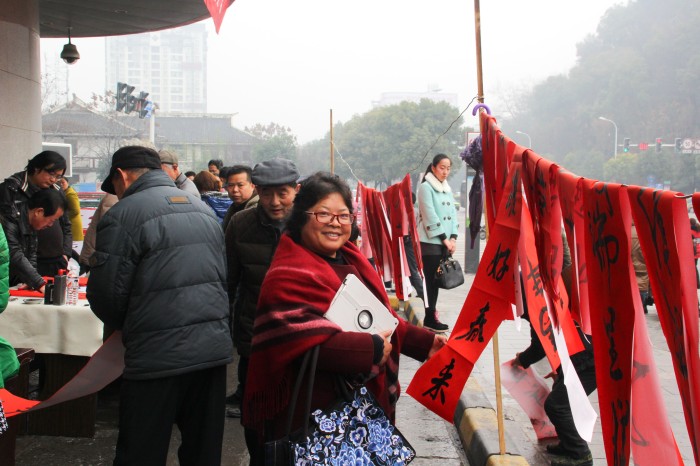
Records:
x=571, y=203
x=663, y=228
x=608, y=224
x=217, y=10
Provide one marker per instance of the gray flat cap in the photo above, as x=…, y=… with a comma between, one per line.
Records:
x=275, y=172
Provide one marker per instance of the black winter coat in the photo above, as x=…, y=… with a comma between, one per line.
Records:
x=22, y=244
x=16, y=190
x=158, y=274
x=251, y=241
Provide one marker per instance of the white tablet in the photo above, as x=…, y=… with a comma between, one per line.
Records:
x=355, y=309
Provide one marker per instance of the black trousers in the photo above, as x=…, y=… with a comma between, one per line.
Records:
x=148, y=409
x=559, y=412
x=430, y=266
x=415, y=278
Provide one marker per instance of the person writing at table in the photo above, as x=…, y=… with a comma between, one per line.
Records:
x=41, y=211
x=311, y=261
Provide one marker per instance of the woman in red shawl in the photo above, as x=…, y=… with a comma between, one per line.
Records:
x=312, y=259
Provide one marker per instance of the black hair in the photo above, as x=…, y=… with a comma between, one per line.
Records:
x=48, y=199
x=190, y=173
x=216, y=162
x=238, y=169
x=435, y=162
x=47, y=159
x=314, y=188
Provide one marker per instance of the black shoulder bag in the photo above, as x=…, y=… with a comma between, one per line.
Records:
x=449, y=273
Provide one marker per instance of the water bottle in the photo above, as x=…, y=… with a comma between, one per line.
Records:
x=72, y=286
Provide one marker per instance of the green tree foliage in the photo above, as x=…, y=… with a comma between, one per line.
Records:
x=384, y=144
x=641, y=70
x=276, y=141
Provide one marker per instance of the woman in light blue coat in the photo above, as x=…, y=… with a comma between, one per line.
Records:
x=437, y=230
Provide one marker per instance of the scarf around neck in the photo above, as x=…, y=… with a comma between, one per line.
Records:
x=295, y=294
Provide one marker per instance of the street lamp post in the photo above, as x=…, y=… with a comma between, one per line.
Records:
x=529, y=140
x=613, y=123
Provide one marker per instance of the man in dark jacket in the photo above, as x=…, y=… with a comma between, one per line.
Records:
x=40, y=212
x=44, y=170
x=251, y=240
x=158, y=274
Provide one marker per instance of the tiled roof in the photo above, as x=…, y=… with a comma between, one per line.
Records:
x=200, y=129
x=75, y=119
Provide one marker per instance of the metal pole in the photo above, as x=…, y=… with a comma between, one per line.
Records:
x=529, y=140
x=496, y=363
x=613, y=123
x=332, y=153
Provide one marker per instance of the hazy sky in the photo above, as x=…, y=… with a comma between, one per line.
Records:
x=290, y=62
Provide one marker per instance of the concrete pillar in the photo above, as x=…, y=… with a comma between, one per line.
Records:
x=20, y=88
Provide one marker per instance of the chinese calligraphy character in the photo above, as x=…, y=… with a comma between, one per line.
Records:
x=621, y=421
x=615, y=374
x=493, y=268
x=476, y=328
x=536, y=278
x=439, y=383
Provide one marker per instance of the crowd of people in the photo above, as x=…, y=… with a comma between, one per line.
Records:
x=192, y=266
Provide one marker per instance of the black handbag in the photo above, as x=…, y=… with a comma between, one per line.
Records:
x=353, y=430
x=449, y=273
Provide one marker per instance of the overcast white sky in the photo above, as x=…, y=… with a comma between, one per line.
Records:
x=290, y=62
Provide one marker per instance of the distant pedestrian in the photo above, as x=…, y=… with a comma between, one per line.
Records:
x=640, y=270
x=158, y=274
x=190, y=175
x=214, y=166
x=437, y=230
x=171, y=166
x=695, y=233
x=73, y=209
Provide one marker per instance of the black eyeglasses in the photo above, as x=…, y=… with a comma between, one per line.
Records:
x=54, y=174
x=327, y=217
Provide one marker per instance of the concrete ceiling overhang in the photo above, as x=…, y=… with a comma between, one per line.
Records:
x=97, y=18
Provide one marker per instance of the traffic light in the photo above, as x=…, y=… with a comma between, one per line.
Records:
x=626, y=145
x=123, y=91
x=141, y=104
x=677, y=147
x=658, y=145
x=146, y=110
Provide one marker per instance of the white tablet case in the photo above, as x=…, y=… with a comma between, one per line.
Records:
x=355, y=309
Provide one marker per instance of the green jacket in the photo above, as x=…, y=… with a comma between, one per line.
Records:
x=9, y=364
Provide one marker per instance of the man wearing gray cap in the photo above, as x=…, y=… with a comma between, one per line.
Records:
x=158, y=275
x=169, y=164
x=251, y=240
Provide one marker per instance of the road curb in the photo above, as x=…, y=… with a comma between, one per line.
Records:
x=474, y=419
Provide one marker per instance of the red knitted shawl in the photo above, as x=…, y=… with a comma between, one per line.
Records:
x=297, y=291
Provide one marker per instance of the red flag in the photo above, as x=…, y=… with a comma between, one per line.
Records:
x=571, y=202
x=217, y=10
x=441, y=381
x=663, y=227
x=608, y=226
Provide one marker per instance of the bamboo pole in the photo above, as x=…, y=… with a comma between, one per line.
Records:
x=332, y=153
x=496, y=358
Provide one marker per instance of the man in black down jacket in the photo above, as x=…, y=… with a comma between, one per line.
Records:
x=158, y=274
x=251, y=240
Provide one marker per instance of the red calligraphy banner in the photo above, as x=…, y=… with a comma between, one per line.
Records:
x=540, y=185
x=487, y=305
x=663, y=228
x=653, y=442
x=608, y=222
x=571, y=202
